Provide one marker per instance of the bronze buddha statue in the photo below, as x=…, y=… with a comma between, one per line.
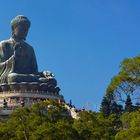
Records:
x=17, y=58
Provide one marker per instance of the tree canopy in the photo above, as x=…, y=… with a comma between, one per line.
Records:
x=52, y=121
x=127, y=81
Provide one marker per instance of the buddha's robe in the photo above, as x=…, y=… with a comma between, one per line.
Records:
x=20, y=66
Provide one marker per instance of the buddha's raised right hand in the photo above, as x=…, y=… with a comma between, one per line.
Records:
x=17, y=47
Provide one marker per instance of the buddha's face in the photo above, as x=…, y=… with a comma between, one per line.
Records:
x=21, y=31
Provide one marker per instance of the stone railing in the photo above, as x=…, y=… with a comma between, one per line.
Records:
x=31, y=94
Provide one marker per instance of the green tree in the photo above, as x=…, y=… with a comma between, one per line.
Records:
x=128, y=104
x=62, y=130
x=96, y=126
x=131, y=126
x=110, y=107
x=44, y=120
x=127, y=81
x=106, y=106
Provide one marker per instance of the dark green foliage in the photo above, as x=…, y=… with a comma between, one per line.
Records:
x=45, y=120
x=131, y=126
x=51, y=121
x=106, y=105
x=128, y=104
x=62, y=130
x=110, y=107
x=93, y=125
x=116, y=108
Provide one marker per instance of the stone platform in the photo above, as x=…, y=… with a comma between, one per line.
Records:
x=9, y=100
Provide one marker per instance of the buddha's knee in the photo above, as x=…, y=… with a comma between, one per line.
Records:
x=13, y=77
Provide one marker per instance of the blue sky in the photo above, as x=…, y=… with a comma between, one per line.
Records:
x=82, y=41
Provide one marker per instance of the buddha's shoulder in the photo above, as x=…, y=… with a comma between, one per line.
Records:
x=4, y=43
x=28, y=46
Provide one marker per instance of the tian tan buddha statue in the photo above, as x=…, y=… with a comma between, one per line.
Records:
x=17, y=58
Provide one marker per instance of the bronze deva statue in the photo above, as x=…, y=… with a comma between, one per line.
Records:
x=17, y=58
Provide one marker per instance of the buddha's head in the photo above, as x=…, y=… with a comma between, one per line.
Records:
x=20, y=26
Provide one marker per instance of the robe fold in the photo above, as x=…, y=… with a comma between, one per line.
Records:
x=24, y=62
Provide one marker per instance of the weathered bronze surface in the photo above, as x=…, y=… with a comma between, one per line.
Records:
x=17, y=58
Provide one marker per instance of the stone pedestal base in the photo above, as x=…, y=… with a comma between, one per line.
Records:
x=9, y=100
